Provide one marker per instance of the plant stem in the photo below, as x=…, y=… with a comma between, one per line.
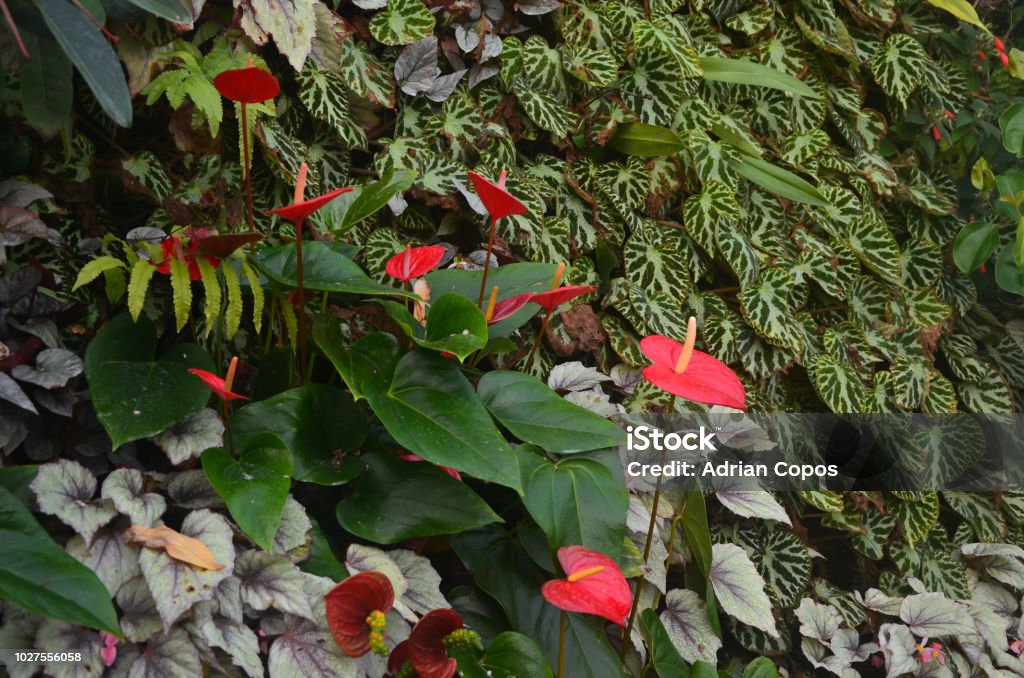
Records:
x=302, y=301
x=248, y=177
x=540, y=337
x=561, y=644
x=14, y=31
x=650, y=536
x=487, y=264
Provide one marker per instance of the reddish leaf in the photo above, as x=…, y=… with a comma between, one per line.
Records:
x=599, y=587
x=552, y=299
x=216, y=385
x=426, y=644
x=499, y=202
x=222, y=246
x=507, y=307
x=298, y=211
x=414, y=262
x=398, y=657
x=249, y=85
x=705, y=379
x=350, y=603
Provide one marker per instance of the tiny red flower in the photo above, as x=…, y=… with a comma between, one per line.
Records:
x=220, y=387
x=552, y=299
x=594, y=584
x=929, y=652
x=690, y=374
x=949, y=114
x=999, y=44
x=427, y=650
x=498, y=202
x=936, y=133
x=249, y=85
x=355, y=612
x=1004, y=59
x=982, y=55
x=414, y=262
x=447, y=469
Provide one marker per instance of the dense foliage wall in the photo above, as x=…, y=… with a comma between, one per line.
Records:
x=846, y=228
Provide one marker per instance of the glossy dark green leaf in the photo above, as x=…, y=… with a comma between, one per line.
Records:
x=321, y=426
x=46, y=92
x=762, y=667
x=92, y=55
x=1011, y=122
x=172, y=10
x=1009, y=276
x=424, y=402
x=703, y=670
x=662, y=653
x=39, y=576
x=507, y=574
x=636, y=138
x=974, y=245
x=577, y=500
x=323, y=270
x=254, y=486
x=721, y=69
x=16, y=480
x=454, y=325
x=395, y=500
x=696, y=530
x=512, y=655
x=321, y=560
x=535, y=414
x=510, y=280
x=364, y=201
x=134, y=395
x=777, y=180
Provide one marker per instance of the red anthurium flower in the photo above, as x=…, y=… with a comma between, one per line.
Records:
x=691, y=374
x=427, y=650
x=401, y=654
x=355, y=612
x=414, y=262
x=499, y=310
x=499, y=202
x=302, y=208
x=594, y=584
x=174, y=249
x=552, y=299
x=249, y=85
x=415, y=457
x=221, y=387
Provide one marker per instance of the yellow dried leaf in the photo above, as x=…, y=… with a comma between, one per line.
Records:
x=175, y=544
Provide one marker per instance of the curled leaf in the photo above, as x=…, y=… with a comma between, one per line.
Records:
x=178, y=546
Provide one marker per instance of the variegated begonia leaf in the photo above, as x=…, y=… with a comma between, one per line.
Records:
x=898, y=65
x=192, y=436
x=271, y=581
x=108, y=556
x=685, y=619
x=739, y=588
x=402, y=22
x=126, y=488
x=65, y=489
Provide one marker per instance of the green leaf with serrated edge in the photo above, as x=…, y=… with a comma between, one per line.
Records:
x=594, y=67
x=703, y=212
x=211, y=287
x=916, y=518
x=254, y=486
x=951, y=445
x=257, y=295
x=767, y=307
x=785, y=563
x=397, y=500
x=126, y=489
x=138, y=284
x=95, y=268
x=324, y=270
x=454, y=325
x=664, y=655
x=363, y=73
x=65, y=489
x=544, y=110
x=534, y=413
x=898, y=64
x=663, y=35
x=190, y=437
x=739, y=589
x=402, y=22
x=39, y=576
x=925, y=309
x=136, y=396
x=321, y=426
x=875, y=245
x=736, y=71
x=778, y=180
x=92, y=55
x=578, y=500
x=233, y=315
x=838, y=384
x=686, y=626
x=870, y=541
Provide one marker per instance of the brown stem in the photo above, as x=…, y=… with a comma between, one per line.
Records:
x=14, y=31
x=540, y=337
x=302, y=301
x=487, y=264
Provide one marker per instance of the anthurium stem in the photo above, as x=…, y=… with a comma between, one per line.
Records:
x=561, y=644
x=540, y=337
x=487, y=264
x=651, y=527
x=302, y=301
x=14, y=31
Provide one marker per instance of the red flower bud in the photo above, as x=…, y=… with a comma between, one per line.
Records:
x=1005, y=59
x=982, y=55
x=999, y=44
x=936, y=133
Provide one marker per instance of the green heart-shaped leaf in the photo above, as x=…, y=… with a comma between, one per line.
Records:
x=454, y=325
x=134, y=395
x=254, y=486
x=323, y=270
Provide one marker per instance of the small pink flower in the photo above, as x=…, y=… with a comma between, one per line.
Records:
x=930, y=652
x=109, y=652
x=1017, y=647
